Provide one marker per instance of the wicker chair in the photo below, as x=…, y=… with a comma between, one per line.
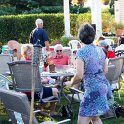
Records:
x=21, y=73
x=118, y=62
x=4, y=59
x=18, y=108
x=110, y=77
x=119, y=53
x=5, y=82
x=111, y=72
x=74, y=44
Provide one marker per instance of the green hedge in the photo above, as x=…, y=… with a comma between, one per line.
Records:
x=19, y=27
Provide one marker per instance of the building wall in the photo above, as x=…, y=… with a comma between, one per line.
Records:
x=119, y=11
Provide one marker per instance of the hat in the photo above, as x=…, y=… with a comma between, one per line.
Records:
x=38, y=21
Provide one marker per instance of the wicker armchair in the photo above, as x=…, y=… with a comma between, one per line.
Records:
x=4, y=59
x=18, y=108
x=21, y=73
x=118, y=62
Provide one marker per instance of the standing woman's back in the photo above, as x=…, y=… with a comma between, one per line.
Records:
x=90, y=67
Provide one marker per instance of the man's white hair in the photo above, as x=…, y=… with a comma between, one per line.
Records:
x=38, y=21
x=57, y=45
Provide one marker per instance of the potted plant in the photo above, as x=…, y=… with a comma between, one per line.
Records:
x=106, y=26
x=105, y=2
x=119, y=28
x=78, y=2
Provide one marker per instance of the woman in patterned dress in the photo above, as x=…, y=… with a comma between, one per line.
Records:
x=91, y=66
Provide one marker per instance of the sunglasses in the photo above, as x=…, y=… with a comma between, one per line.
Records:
x=58, y=50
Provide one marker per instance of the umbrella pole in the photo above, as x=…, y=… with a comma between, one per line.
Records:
x=32, y=97
x=35, y=70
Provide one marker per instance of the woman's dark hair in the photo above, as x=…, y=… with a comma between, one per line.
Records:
x=86, y=33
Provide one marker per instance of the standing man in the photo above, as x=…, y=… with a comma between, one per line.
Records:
x=39, y=34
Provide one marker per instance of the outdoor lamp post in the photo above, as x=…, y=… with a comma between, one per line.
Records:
x=35, y=68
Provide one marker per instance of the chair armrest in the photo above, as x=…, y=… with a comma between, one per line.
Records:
x=60, y=122
x=72, y=89
x=36, y=111
x=50, y=99
x=66, y=120
x=51, y=122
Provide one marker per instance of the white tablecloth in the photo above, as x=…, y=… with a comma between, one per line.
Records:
x=57, y=74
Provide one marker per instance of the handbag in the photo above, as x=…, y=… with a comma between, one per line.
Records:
x=119, y=110
x=67, y=111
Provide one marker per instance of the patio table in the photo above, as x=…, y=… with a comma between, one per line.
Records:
x=61, y=76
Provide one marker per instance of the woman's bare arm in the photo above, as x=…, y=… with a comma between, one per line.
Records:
x=105, y=67
x=79, y=72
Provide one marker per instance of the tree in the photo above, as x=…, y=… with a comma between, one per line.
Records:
x=4, y=2
x=49, y=3
x=19, y=4
x=22, y=5
x=112, y=3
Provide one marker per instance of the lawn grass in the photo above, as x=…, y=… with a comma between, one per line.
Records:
x=120, y=120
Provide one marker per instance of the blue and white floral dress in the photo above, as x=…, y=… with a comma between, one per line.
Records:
x=97, y=88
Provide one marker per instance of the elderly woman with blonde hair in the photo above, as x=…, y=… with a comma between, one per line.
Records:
x=26, y=51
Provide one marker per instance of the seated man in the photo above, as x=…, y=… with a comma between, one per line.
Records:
x=59, y=58
x=26, y=51
x=120, y=49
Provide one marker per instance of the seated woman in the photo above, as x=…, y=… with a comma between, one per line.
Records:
x=107, y=49
x=26, y=51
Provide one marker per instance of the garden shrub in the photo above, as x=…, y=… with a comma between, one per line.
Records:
x=19, y=27
x=76, y=9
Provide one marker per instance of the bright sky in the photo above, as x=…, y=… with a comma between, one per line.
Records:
x=88, y=3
